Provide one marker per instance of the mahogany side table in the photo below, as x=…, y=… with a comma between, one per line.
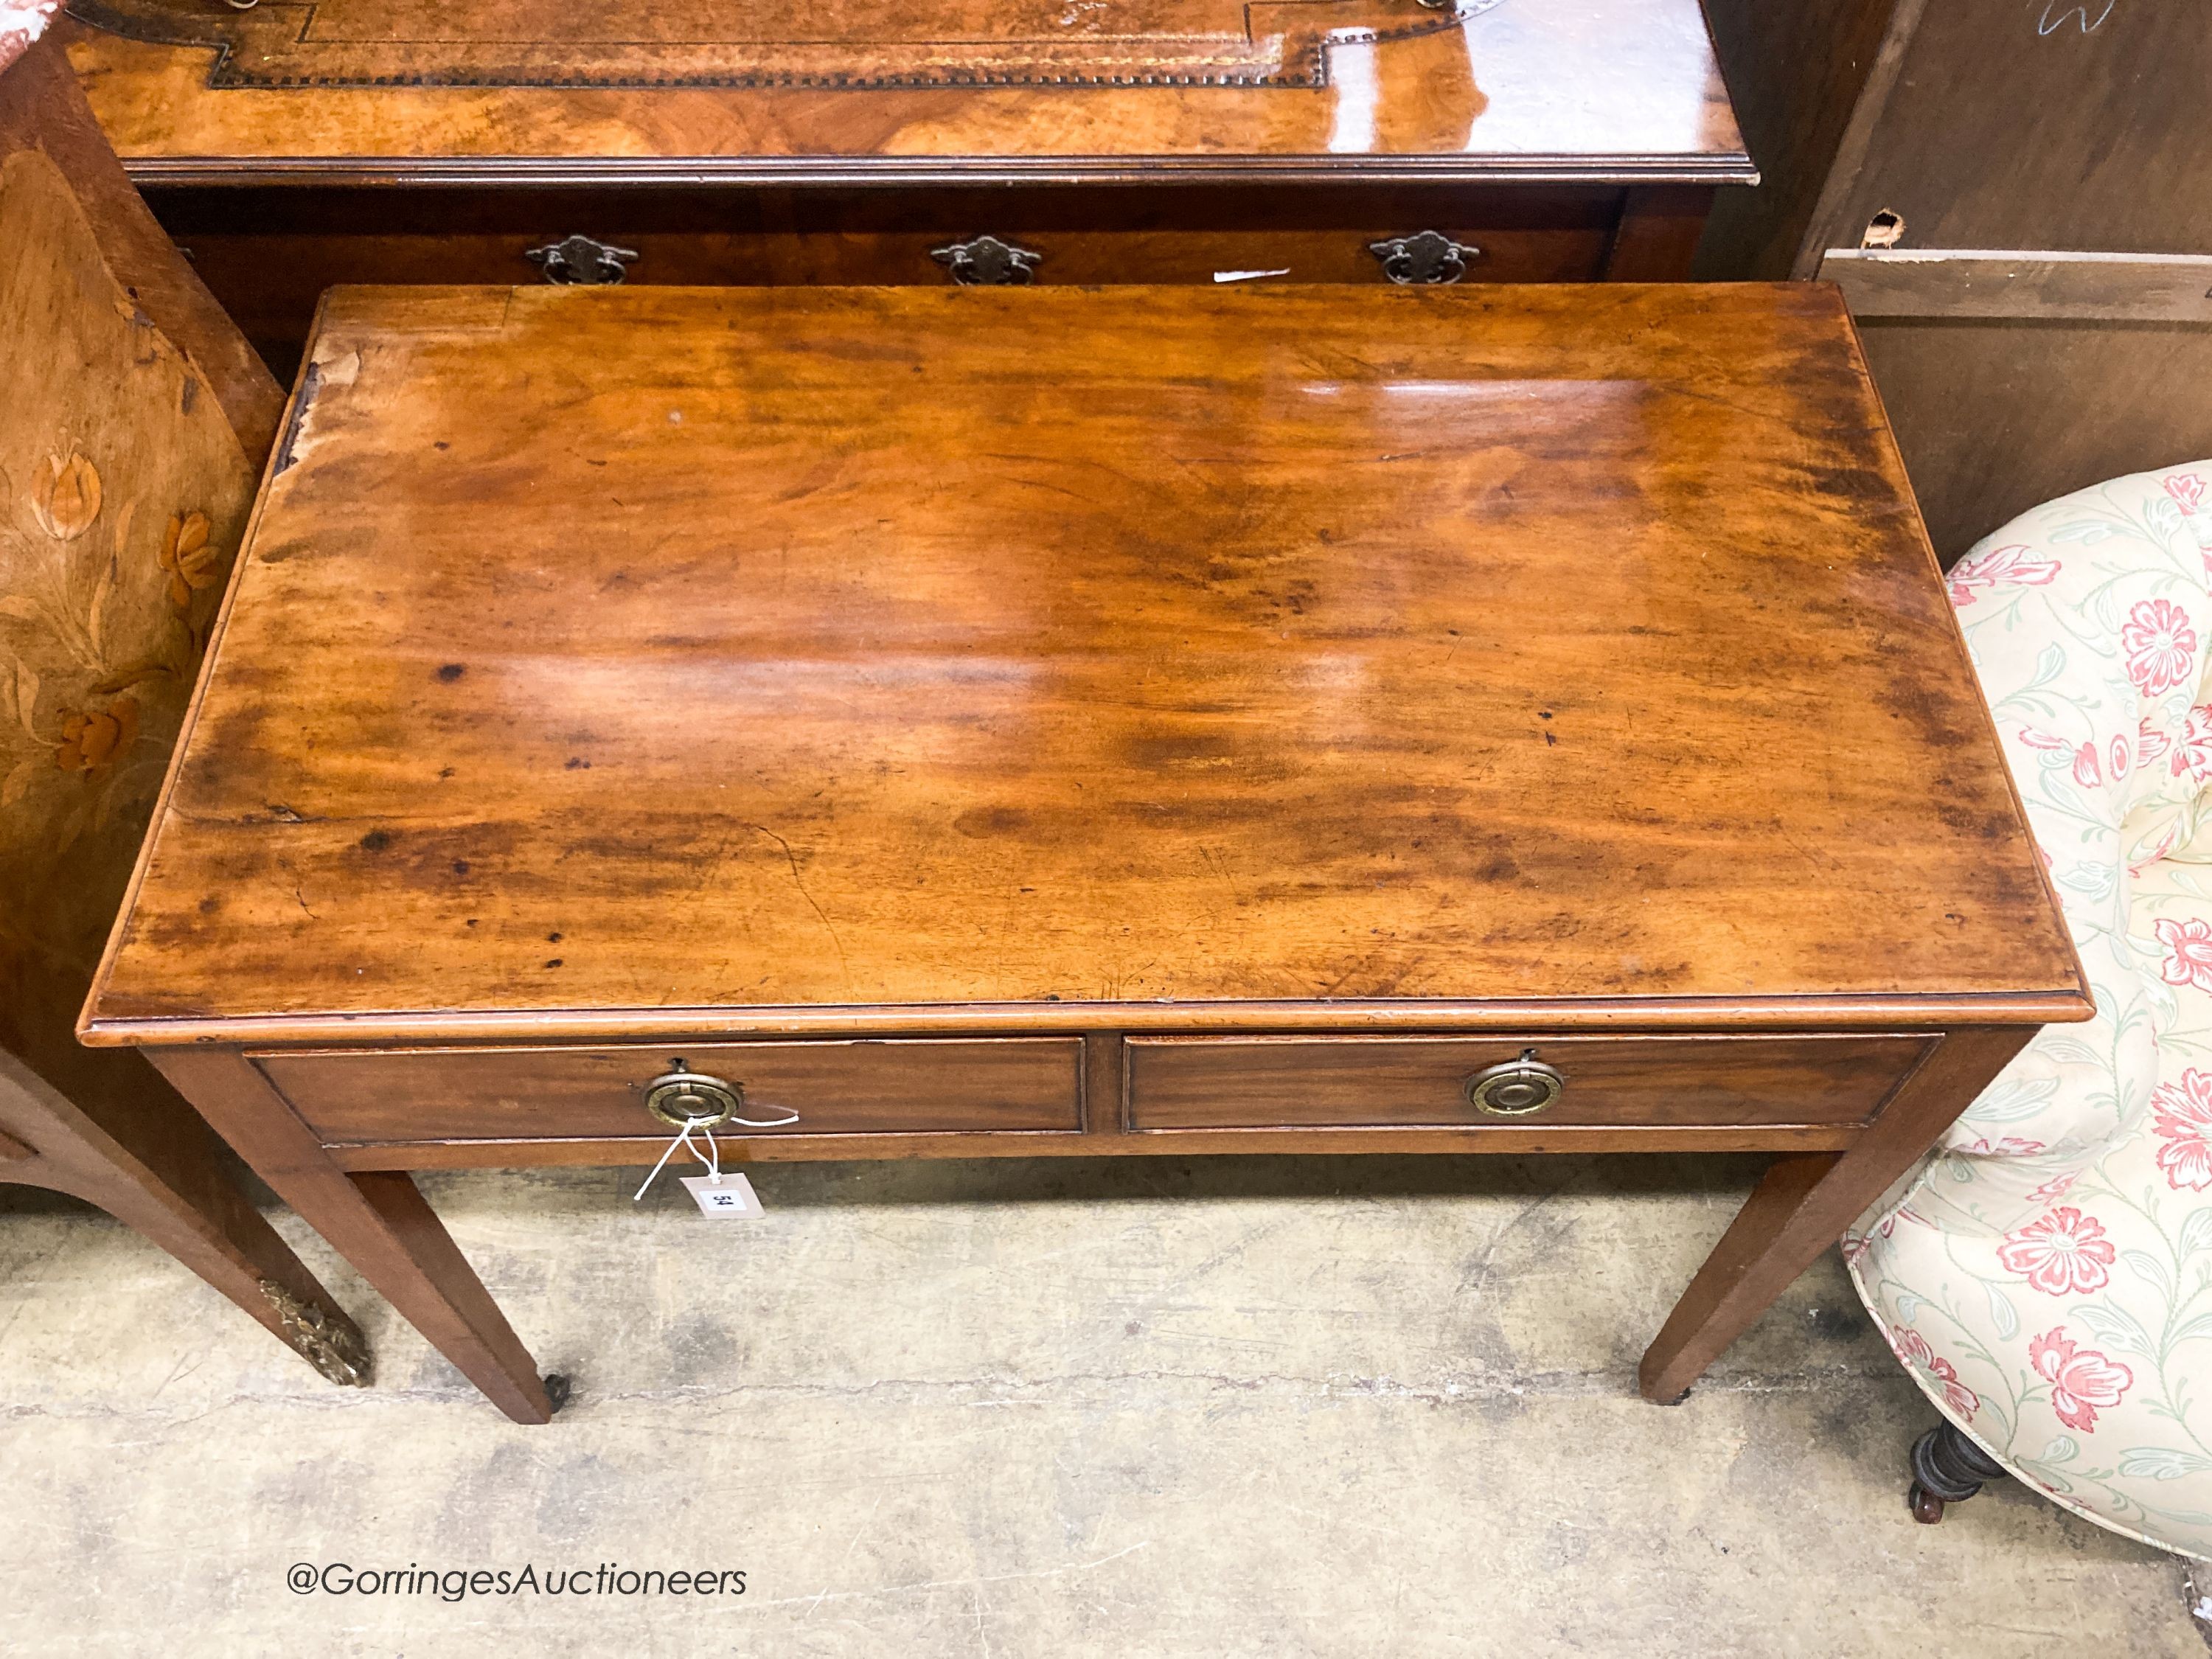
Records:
x=957, y=722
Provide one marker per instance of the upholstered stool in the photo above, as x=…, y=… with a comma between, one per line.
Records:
x=2046, y=1276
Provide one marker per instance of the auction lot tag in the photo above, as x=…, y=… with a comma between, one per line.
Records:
x=731, y=1198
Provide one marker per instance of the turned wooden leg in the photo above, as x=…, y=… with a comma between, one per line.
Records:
x=157, y=1173
x=1805, y=1202
x=1947, y=1467
x=379, y=1222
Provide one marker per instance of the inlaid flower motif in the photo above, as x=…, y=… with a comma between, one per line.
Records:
x=186, y=556
x=65, y=495
x=91, y=739
x=2018, y=566
x=2160, y=642
x=1912, y=1348
x=2082, y=1380
x=2188, y=959
x=2182, y=1122
x=2065, y=1253
x=2187, y=490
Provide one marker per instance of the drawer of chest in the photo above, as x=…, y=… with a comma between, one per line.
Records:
x=916, y=1085
x=1422, y=1081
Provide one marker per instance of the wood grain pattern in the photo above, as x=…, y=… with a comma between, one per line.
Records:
x=830, y=1088
x=1607, y=90
x=1062, y=648
x=1224, y=1082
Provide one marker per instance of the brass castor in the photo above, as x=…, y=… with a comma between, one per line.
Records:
x=1947, y=1468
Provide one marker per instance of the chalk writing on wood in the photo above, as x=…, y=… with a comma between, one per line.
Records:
x=2057, y=14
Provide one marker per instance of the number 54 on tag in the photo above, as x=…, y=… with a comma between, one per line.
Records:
x=730, y=1199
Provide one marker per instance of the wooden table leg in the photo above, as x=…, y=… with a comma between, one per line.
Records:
x=157, y=1173
x=1807, y=1199
x=378, y=1222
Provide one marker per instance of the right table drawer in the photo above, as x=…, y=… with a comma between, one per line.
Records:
x=1384, y=1082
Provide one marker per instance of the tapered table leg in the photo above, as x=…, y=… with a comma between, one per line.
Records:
x=378, y=1222
x=158, y=1175
x=1805, y=1202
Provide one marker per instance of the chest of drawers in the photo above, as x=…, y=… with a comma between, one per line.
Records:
x=900, y=722
x=290, y=147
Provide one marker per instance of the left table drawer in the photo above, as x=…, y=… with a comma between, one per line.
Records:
x=892, y=1086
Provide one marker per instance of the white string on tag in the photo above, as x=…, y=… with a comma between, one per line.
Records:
x=711, y=1158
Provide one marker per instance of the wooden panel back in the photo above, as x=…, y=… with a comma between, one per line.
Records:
x=123, y=490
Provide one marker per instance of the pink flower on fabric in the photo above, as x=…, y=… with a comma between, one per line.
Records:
x=2057, y=1188
x=2160, y=643
x=2150, y=743
x=2183, y=1123
x=2010, y=1146
x=2017, y=566
x=2188, y=951
x=2062, y=1253
x=2187, y=490
x=2082, y=1380
x=1912, y=1348
x=2118, y=764
x=2086, y=772
x=2193, y=753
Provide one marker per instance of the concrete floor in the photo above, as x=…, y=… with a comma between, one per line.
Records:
x=1130, y=1408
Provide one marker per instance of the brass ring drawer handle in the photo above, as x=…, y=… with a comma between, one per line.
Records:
x=1518, y=1088
x=685, y=1099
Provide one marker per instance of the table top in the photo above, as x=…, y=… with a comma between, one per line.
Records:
x=939, y=90
x=750, y=660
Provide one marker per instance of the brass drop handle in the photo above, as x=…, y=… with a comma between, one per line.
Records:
x=685, y=1099
x=1518, y=1088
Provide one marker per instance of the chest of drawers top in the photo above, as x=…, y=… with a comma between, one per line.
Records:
x=942, y=91
x=748, y=660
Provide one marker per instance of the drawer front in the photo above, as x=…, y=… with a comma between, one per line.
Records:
x=1340, y=1082
x=919, y=1085
x=268, y=253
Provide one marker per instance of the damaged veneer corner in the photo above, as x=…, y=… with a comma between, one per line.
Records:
x=319, y=375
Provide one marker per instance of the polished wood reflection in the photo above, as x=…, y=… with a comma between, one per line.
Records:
x=749, y=650
x=1606, y=90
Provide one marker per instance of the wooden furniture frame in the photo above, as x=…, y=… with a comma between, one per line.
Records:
x=1548, y=144
x=990, y=722
x=2035, y=314
x=104, y=1127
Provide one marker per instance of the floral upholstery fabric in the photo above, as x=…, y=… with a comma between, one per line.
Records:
x=123, y=493
x=2046, y=1276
